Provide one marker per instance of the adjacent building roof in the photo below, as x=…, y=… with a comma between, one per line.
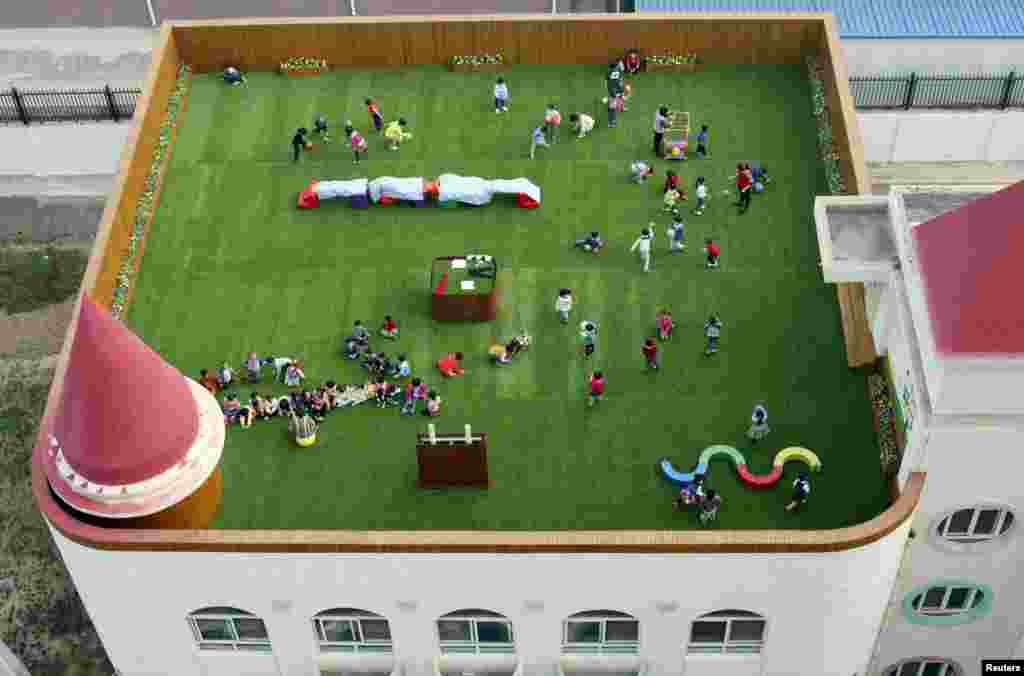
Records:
x=126, y=415
x=881, y=18
x=972, y=264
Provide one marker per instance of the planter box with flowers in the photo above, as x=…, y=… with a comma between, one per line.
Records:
x=885, y=423
x=483, y=62
x=302, y=66
x=826, y=146
x=686, y=63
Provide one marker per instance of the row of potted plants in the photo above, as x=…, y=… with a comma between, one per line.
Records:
x=672, y=61
x=477, y=62
x=885, y=422
x=303, y=65
x=826, y=144
x=146, y=204
x=668, y=61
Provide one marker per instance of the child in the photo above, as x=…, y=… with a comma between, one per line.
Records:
x=293, y=375
x=209, y=382
x=712, y=331
x=615, y=105
x=665, y=325
x=225, y=375
x=632, y=61
x=320, y=127
x=433, y=404
x=233, y=76
x=384, y=392
x=563, y=305
x=396, y=133
x=389, y=329
x=331, y=394
x=298, y=143
x=374, y=362
x=278, y=364
x=671, y=197
x=650, y=352
x=758, y=424
x=643, y=243
x=499, y=354
x=359, y=332
x=252, y=367
x=583, y=124
x=713, y=251
x=589, y=336
x=404, y=369
x=318, y=406
x=671, y=181
x=355, y=347
x=597, y=383
x=450, y=365
x=375, y=115
x=709, y=506
x=702, y=195
x=412, y=395
x=801, y=489
x=232, y=407
x=744, y=184
x=500, y=96
x=640, y=171
x=359, y=145
x=591, y=244
x=246, y=414
x=552, y=122
x=537, y=139
x=676, y=233
x=660, y=127
x=627, y=92
x=702, y=142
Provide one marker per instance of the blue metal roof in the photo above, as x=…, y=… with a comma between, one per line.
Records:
x=881, y=18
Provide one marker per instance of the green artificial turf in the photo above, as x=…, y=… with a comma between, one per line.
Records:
x=231, y=265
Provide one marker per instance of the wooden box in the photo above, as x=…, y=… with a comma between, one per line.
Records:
x=451, y=461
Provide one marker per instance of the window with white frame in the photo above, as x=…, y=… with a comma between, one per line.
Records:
x=948, y=600
x=924, y=666
x=350, y=630
x=222, y=628
x=727, y=632
x=975, y=524
x=601, y=632
x=474, y=631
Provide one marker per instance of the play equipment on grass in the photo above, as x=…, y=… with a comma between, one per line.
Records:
x=328, y=190
x=452, y=459
x=677, y=136
x=753, y=480
x=449, y=190
x=464, y=288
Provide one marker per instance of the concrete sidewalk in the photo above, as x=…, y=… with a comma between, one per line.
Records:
x=62, y=150
x=885, y=174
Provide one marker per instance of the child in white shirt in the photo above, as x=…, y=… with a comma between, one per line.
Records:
x=643, y=243
x=500, y=96
x=702, y=195
x=583, y=123
x=563, y=304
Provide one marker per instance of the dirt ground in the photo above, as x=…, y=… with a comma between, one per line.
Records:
x=35, y=334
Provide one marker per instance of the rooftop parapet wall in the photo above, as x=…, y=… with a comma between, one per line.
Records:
x=400, y=41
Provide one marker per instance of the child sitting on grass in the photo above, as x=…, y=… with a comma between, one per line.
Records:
x=389, y=329
x=671, y=181
x=252, y=367
x=583, y=124
x=433, y=404
x=640, y=171
x=355, y=347
x=499, y=354
x=673, y=196
x=278, y=365
x=225, y=375
x=293, y=375
x=450, y=365
x=385, y=391
x=374, y=362
x=404, y=369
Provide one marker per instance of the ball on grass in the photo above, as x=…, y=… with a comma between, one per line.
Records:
x=604, y=100
x=675, y=151
x=759, y=187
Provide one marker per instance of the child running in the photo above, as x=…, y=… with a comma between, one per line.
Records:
x=665, y=325
x=396, y=133
x=500, y=96
x=650, y=352
x=376, y=118
x=713, y=251
x=552, y=122
x=597, y=383
x=701, y=191
x=676, y=233
x=588, y=334
x=320, y=127
x=712, y=331
x=643, y=243
x=563, y=305
x=583, y=124
x=359, y=145
x=537, y=140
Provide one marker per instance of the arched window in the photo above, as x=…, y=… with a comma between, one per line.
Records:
x=473, y=631
x=601, y=632
x=924, y=666
x=223, y=628
x=727, y=632
x=350, y=630
x=947, y=602
x=975, y=524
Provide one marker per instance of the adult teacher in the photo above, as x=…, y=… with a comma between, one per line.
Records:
x=660, y=127
x=304, y=428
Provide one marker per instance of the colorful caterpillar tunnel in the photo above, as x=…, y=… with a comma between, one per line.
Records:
x=753, y=480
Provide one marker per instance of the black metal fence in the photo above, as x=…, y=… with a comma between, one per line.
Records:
x=68, y=105
x=938, y=91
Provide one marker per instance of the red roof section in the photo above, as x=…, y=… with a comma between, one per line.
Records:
x=126, y=415
x=972, y=263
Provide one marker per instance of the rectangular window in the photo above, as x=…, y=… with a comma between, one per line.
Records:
x=229, y=632
x=583, y=632
x=215, y=630
x=493, y=632
x=726, y=636
x=454, y=630
x=622, y=630
x=986, y=523
x=471, y=636
x=376, y=630
x=339, y=631
x=341, y=634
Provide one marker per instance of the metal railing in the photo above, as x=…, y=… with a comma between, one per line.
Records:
x=67, y=105
x=938, y=91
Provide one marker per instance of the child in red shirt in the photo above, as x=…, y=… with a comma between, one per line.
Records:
x=359, y=145
x=375, y=116
x=448, y=365
x=671, y=181
x=632, y=62
x=713, y=251
x=650, y=352
x=596, y=388
x=665, y=324
x=389, y=329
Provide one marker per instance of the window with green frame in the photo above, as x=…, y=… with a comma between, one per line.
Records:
x=947, y=602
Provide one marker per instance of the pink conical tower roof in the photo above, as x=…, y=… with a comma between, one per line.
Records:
x=126, y=415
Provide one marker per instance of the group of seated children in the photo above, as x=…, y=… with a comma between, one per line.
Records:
x=591, y=244
x=503, y=354
x=379, y=365
x=693, y=495
x=416, y=391
x=359, y=342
